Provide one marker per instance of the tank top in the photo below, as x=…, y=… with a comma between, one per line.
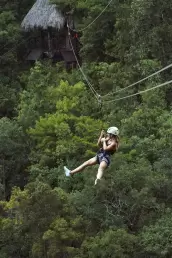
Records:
x=111, y=152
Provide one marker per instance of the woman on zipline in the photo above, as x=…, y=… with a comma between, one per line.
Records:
x=108, y=146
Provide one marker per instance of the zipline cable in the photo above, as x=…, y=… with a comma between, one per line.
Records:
x=95, y=18
x=89, y=84
x=133, y=84
x=97, y=96
x=140, y=92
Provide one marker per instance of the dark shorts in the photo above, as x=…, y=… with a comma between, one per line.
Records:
x=103, y=157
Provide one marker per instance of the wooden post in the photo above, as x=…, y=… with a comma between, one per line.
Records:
x=49, y=42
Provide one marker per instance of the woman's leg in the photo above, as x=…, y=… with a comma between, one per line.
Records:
x=87, y=163
x=103, y=165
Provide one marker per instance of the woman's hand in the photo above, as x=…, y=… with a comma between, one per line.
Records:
x=103, y=139
x=107, y=138
x=102, y=133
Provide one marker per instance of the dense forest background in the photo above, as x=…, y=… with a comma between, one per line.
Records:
x=49, y=118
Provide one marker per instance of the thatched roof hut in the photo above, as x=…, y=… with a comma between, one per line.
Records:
x=43, y=15
x=51, y=39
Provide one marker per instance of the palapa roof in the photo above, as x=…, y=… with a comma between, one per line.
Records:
x=43, y=15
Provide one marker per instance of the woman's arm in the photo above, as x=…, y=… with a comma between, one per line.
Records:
x=110, y=147
x=102, y=134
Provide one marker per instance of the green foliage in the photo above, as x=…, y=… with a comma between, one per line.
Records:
x=156, y=239
x=56, y=231
x=13, y=155
x=42, y=93
x=113, y=243
x=151, y=28
x=10, y=38
x=58, y=121
x=68, y=133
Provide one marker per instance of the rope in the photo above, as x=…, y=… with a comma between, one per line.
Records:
x=133, y=84
x=97, y=96
x=95, y=18
x=140, y=92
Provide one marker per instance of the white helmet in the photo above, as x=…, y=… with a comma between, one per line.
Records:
x=113, y=130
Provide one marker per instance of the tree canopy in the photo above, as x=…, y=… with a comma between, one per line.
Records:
x=49, y=118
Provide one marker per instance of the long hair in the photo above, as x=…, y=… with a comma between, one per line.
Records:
x=117, y=141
